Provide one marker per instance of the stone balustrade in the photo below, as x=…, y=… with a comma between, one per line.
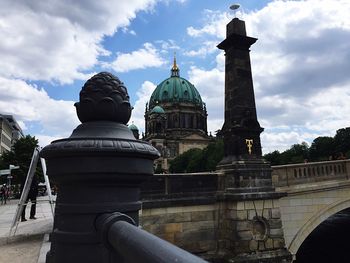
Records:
x=303, y=173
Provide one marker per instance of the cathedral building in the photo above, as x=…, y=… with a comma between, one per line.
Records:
x=175, y=119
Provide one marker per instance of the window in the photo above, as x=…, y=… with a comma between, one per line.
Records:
x=186, y=94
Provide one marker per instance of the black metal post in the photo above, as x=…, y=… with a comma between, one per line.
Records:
x=136, y=245
x=98, y=170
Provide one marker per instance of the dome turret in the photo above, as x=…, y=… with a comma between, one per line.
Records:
x=134, y=130
x=158, y=109
x=133, y=127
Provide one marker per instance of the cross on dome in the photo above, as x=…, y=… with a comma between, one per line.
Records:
x=175, y=71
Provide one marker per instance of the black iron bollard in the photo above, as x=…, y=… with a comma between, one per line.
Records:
x=97, y=169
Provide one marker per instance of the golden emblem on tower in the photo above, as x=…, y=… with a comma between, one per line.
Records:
x=249, y=143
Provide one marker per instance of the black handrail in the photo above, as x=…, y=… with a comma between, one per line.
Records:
x=133, y=244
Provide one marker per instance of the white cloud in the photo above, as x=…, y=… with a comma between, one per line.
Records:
x=59, y=40
x=210, y=84
x=215, y=25
x=126, y=30
x=166, y=45
x=146, y=57
x=178, y=1
x=55, y=41
x=30, y=104
x=46, y=139
x=282, y=139
x=207, y=47
x=329, y=109
x=143, y=95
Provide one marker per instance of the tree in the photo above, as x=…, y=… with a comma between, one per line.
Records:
x=321, y=148
x=342, y=141
x=197, y=160
x=274, y=157
x=21, y=155
x=297, y=153
x=180, y=163
x=212, y=155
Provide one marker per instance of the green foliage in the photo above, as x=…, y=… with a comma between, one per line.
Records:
x=21, y=155
x=212, y=155
x=184, y=162
x=158, y=169
x=342, y=140
x=196, y=160
x=322, y=148
x=298, y=153
x=274, y=158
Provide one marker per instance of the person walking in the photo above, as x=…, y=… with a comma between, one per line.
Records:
x=32, y=195
x=3, y=194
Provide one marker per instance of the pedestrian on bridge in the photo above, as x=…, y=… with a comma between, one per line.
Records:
x=3, y=194
x=33, y=193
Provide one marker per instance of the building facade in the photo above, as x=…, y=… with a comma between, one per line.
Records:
x=10, y=132
x=175, y=119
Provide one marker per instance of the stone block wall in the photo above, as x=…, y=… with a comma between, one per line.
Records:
x=193, y=228
x=249, y=227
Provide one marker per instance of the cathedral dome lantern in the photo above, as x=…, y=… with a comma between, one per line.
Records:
x=175, y=71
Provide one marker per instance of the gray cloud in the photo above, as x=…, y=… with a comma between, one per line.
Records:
x=314, y=64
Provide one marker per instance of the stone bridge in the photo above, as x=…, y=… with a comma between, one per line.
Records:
x=315, y=191
x=183, y=208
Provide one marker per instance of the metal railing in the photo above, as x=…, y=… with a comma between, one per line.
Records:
x=119, y=234
x=184, y=183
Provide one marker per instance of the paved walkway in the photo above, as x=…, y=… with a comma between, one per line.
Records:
x=40, y=226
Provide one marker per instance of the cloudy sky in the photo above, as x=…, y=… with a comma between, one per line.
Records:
x=300, y=63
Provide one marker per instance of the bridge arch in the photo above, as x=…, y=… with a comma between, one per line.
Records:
x=315, y=221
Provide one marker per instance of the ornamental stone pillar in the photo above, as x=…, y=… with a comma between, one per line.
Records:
x=250, y=227
x=97, y=169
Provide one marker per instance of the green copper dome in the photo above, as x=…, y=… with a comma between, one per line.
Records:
x=133, y=127
x=175, y=89
x=158, y=109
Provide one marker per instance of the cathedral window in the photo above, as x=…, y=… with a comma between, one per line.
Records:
x=158, y=127
x=186, y=94
x=165, y=95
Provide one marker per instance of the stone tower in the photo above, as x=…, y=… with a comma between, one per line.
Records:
x=251, y=227
x=241, y=128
